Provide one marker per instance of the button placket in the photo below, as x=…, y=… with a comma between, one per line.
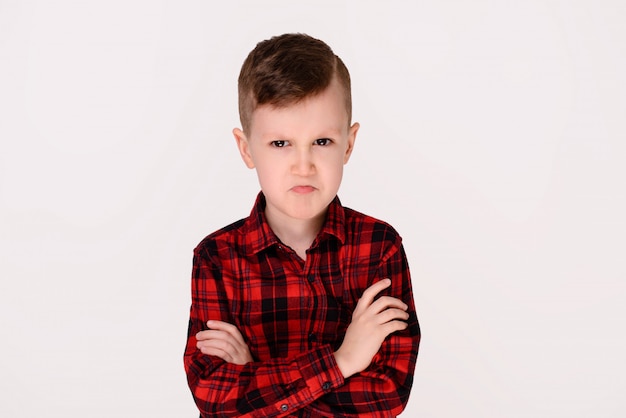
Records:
x=313, y=282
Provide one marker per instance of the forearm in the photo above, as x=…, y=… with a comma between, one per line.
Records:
x=309, y=381
x=381, y=390
x=271, y=388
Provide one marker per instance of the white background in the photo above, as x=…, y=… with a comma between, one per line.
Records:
x=493, y=138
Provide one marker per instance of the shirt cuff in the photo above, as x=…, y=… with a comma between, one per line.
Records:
x=317, y=373
x=320, y=371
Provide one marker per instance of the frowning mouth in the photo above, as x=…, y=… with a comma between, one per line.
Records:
x=303, y=189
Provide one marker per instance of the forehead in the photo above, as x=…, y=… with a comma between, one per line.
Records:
x=314, y=115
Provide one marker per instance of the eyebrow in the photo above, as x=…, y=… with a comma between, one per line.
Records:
x=275, y=136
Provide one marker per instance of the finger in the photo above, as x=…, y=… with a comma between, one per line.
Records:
x=218, y=344
x=213, y=351
x=227, y=357
x=393, y=326
x=226, y=327
x=391, y=315
x=204, y=335
x=221, y=344
x=219, y=337
x=226, y=351
x=213, y=334
x=221, y=325
x=370, y=293
x=386, y=302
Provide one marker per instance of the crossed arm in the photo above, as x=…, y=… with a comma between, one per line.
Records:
x=370, y=373
x=372, y=321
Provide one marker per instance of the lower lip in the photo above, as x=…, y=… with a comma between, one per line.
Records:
x=303, y=189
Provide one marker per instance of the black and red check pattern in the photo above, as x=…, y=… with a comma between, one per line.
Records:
x=293, y=314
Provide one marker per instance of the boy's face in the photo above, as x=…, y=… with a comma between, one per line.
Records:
x=299, y=152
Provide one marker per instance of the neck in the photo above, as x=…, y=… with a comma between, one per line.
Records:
x=298, y=234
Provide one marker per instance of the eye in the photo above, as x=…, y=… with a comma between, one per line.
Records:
x=278, y=144
x=323, y=141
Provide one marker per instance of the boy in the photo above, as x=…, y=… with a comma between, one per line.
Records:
x=304, y=308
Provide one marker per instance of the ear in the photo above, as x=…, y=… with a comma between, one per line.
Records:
x=244, y=147
x=351, y=138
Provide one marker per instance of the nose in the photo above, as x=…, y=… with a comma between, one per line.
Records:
x=303, y=164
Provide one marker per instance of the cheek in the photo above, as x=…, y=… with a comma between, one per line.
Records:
x=268, y=175
x=334, y=171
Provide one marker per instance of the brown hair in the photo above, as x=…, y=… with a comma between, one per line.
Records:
x=286, y=69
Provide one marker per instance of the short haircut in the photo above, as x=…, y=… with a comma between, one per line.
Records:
x=286, y=69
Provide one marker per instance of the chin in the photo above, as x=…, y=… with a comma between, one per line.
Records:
x=307, y=211
x=305, y=215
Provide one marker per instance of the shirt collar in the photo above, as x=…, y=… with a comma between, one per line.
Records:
x=258, y=235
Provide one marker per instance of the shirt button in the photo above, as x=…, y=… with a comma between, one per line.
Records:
x=311, y=278
x=312, y=338
x=326, y=386
x=284, y=407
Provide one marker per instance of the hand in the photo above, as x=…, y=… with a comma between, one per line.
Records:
x=224, y=341
x=372, y=322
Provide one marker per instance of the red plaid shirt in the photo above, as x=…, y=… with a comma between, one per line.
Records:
x=293, y=314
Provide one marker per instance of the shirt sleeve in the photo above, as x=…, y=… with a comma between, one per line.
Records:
x=381, y=390
x=278, y=387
